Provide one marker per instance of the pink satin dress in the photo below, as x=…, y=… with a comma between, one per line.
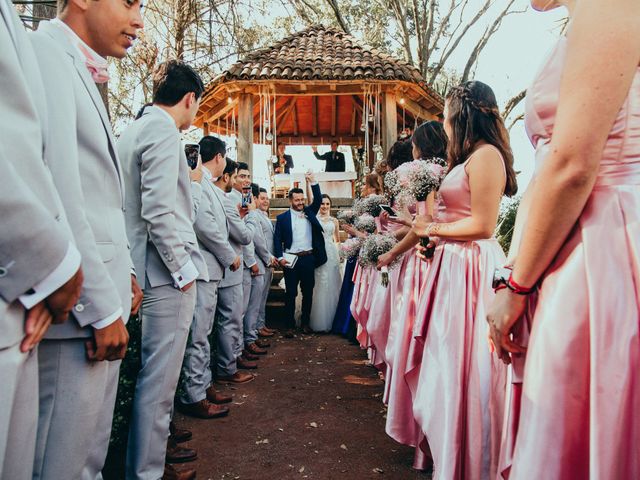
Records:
x=383, y=299
x=580, y=408
x=457, y=385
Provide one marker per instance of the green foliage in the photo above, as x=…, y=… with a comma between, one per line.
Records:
x=114, y=466
x=506, y=222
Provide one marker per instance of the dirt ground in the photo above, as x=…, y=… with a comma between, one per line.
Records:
x=314, y=411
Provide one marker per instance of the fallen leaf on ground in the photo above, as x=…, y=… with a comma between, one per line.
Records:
x=313, y=424
x=343, y=446
x=378, y=470
x=301, y=470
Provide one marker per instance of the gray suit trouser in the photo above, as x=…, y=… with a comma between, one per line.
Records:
x=253, y=289
x=166, y=316
x=72, y=398
x=196, y=367
x=262, y=312
x=18, y=407
x=228, y=329
x=100, y=448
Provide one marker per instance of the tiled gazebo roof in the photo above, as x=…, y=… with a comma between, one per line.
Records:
x=321, y=53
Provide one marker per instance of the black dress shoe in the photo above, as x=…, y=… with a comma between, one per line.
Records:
x=288, y=334
x=178, y=454
x=262, y=343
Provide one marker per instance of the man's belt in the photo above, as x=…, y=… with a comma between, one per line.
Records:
x=303, y=254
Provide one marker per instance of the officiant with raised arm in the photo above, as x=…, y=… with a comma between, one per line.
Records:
x=299, y=248
x=334, y=158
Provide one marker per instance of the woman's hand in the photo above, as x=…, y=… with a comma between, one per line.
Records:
x=420, y=224
x=506, y=309
x=421, y=251
x=385, y=260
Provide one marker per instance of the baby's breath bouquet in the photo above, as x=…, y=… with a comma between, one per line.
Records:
x=365, y=223
x=347, y=216
x=369, y=205
x=372, y=248
x=425, y=177
x=349, y=248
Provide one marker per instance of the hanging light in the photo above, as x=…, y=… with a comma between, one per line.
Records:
x=229, y=100
x=402, y=101
x=269, y=136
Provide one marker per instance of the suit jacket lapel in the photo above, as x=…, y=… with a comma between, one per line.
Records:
x=92, y=89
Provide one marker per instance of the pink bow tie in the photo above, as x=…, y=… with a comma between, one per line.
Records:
x=98, y=67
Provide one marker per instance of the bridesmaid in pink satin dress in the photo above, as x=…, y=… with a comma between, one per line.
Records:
x=363, y=278
x=580, y=395
x=384, y=299
x=458, y=386
x=428, y=141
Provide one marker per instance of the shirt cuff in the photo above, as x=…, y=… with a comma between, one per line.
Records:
x=107, y=321
x=187, y=274
x=60, y=275
x=254, y=263
x=313, y=183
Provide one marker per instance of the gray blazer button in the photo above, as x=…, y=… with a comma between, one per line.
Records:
x=3, y=272
x=79, y=308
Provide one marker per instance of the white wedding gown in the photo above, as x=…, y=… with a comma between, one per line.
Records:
x=328, y=281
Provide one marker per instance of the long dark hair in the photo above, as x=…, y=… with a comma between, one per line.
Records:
x=474, y=116
x=431, y=140
x=399, y=153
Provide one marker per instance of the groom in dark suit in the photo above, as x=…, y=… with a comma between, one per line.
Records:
x=298, y=232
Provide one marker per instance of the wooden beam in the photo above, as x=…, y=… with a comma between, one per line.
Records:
x=245, y=130
x=205, y=128
x=354, y=117
x=334, y=115
x=294, y=112
x=286, y=110
x=389, y=121
x=314, y=114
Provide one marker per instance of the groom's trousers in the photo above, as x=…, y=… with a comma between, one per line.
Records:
x=303, y=274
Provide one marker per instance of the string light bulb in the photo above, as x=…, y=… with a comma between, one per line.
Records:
x=229, y=100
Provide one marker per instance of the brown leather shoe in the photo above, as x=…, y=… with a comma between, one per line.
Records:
x=203, y=409
x=170, y=473
x=264, y=333
x=255, y=349
x=263, y=343
x=217, y=397
x=249, y=356
x=178, y=454
x=246, y=364
x=236, y=378
x=179, y=435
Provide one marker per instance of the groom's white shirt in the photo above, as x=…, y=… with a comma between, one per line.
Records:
x=300, y=233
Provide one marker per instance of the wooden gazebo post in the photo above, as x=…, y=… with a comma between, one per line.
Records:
x=389, y=121
x=245, y=129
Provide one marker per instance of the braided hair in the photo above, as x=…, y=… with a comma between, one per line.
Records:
x=473, y=116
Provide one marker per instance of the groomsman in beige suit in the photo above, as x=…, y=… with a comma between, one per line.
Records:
x=160, y=214
x=79, y=361
x=40, y=276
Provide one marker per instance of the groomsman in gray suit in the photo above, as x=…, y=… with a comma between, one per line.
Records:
x=251, y=275
x=265, y=260
x=40, y=276
x=80, y=361
x=230, y=293
x=159, y=216
x=267, y=231
x=199, y=399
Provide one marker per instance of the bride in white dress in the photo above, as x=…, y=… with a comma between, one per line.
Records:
x=328, y=277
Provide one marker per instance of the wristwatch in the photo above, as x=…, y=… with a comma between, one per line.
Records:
x=503, y=278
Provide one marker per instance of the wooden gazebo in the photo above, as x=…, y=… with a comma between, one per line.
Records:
x=315, y=86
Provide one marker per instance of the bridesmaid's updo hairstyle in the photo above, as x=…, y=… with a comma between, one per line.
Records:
x=399, y=153
x=474, y=116
x=431, y=140
x=373, y=183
